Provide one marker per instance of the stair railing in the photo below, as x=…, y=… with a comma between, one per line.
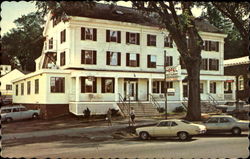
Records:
x=124, y=106
x=185, y=100
x=212, y=99
x=154, y=101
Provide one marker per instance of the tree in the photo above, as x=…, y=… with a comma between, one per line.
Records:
x=238, y=13
x=180, y=27
x=24, y=44
x=233, y=42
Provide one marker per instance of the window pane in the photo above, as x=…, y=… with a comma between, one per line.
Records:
x=132, y=38
x=89, y=86
x=132, y=60
x=109, y=86
x=88, y=57
x=113, y=36
x=89, y=34
x=113, y=58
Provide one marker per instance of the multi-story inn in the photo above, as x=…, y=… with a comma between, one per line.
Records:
x=96, y=59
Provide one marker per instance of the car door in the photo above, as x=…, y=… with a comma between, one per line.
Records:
x=174, y=128
x=212, y=124
x=163, y=129
x=225, y=124
x=15, y=114
x=25, y=114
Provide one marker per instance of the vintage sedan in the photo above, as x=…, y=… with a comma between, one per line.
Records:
x=174, y=127
x=226, y=123
x=17, y=112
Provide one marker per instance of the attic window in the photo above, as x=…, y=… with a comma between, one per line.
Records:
x=119, y=12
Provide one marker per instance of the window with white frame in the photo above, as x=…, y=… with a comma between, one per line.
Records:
x=113, y=58
x=88, y=57
x=151, y=61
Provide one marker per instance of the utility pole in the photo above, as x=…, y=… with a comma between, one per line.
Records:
x=165, y=85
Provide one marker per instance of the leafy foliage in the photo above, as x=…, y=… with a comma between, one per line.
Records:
x=24, y=44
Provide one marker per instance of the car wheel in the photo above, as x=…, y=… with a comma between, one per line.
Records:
x=236, y=131
x=9, y=120
x=144, y=135
x=183, y=135
x=35, y=116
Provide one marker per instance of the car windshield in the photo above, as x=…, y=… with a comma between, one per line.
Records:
x=233, y=118
x=6, y=111
x=185, y=121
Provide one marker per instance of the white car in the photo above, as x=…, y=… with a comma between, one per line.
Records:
x=174, y=127
x=226, y=123
x=18, y=112
x=229, y=107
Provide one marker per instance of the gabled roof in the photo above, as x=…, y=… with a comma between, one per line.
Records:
x=126, y=14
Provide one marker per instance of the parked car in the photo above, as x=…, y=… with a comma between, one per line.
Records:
x=229, y=107
x=17, y=112
x=226, y=123
x=174, y=127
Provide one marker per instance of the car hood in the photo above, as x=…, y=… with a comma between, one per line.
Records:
x=145, y=128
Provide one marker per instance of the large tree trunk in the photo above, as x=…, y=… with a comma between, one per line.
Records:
x=194, y=108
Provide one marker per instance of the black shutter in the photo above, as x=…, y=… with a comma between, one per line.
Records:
x=94, y=35
x=127, y=59
x=119, y=36
x=171, y=60
x=217, y=46
x=148, y=40
x=127, y=37
x=83, y=84
x=217, y=65
x=162, y=87
x=119, y=59
x=94, y=85
x=148, y=61
x=138, y=39
x=136, y=86
x=103, y=85
x=209, y=45
x=61, y=37
x=171, y=42
x=108, y=58
x=113, y=91
x=94, y=57
x=206, y=65
x=83, y=57
x=210, y=64
x=107, y=35
x=215, y=87
x=82, y=33
x=158, y=86
x=138, y=60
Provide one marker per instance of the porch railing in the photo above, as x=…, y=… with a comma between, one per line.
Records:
x=154, y=101
x=123, y=105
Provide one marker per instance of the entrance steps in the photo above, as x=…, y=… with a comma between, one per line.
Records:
x=141, y=109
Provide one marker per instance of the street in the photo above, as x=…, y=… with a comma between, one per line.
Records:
x=209, y=146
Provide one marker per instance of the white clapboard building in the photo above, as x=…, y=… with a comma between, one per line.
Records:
x=105, y=57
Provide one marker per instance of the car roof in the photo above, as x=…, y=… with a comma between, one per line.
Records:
x=171, y=120
x=12, y=106
x=221, y=116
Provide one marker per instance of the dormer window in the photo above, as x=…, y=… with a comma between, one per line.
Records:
x=113, y=36
x=88, y=34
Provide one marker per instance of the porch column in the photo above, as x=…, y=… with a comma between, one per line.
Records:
x=77, y=89
x=208, y=88
x=181, y=90
x=149, y=87
x=116, y=90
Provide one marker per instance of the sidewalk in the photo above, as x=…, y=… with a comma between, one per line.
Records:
x=95, y=131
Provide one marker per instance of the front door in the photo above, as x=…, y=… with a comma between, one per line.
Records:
x=131, y=90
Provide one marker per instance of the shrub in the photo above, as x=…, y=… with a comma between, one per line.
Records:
x=114, y=112
x=161, y=109
x=179, y=109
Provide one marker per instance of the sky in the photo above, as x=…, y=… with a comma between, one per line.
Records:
x=13, y=10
